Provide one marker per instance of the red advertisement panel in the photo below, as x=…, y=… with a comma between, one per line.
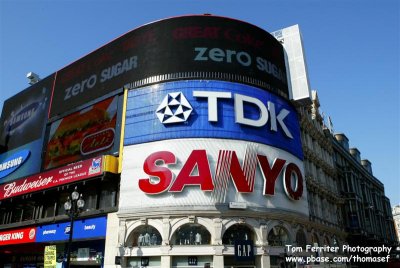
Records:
x=82, y=134
x=67, y=174
x=18, y=236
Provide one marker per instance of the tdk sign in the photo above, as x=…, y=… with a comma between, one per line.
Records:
x=239, y=106
x=211, y=109
x=174, y=109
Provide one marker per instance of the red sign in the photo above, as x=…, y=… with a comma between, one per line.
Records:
x=73, y=172
x=228, y=168
x=18, y=236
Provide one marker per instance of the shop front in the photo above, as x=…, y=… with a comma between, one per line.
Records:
x=36, y=246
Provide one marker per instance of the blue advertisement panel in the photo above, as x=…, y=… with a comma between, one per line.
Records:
x=22, y=127
x=211, y=109
x=87, y=228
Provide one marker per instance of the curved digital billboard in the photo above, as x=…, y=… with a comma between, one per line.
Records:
x=22, y=128
x=189, y=47
x=211, y=109
x=200, y=174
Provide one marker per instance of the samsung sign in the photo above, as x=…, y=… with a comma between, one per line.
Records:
x=211, y=109
x=13, y=162
x=87, y=228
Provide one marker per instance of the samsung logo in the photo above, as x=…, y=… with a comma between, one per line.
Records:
x=12, y=163
x=21, y=117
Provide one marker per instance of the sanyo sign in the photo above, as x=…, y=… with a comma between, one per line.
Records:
x=196, y=171
x=204, y=172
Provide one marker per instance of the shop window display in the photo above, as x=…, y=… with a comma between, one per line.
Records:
x=237, y=232
x=191, y=234
x=145, y=236
x=278, y=237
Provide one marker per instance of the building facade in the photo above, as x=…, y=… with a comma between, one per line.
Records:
x=367, y=212
x=396, y=218
x=196, y=142
x=324, y=199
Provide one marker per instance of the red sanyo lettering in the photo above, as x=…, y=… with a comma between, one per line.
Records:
x=197, y=160
x=163, y=174
x=196, y=171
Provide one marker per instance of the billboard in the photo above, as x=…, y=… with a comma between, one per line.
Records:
x=86, y=228
x=22, y=127
x=210, y=174
x=211, y=109
x=291, y=40
x=82, y=134
x=18, y=236
x=74, y=172
x=189, y=47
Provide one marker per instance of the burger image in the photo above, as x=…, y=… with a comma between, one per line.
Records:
x=67, y=134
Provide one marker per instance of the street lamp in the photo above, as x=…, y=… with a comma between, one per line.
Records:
x=73, y=206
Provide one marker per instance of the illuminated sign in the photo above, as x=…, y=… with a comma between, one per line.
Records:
x=82, y=134
x=187, y=47
x=211, y=109
x=209, y=172
x=18, y=236
x=87, y=228
x=242, y=176
x=244, y=250
x=174, y=109
x=13, y=162
x=24, y=115
x=18, y=163
x=67, y=174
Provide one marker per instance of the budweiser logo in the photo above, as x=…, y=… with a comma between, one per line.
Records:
x=14, y=188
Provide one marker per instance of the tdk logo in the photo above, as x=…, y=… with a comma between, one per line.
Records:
x=175, y=109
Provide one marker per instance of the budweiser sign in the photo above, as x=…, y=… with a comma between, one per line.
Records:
x=73, y=172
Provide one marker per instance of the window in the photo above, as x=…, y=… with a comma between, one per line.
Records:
x=237, y=232
x=278, y=236
x=108, y=195
x=301, y=239
x=145, y=236
x=191, y=234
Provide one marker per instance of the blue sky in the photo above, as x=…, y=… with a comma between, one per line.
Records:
x=352, y=51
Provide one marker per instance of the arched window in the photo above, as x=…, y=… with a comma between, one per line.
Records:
x=315, y=240
x=326, y=241
x=145, y=236
x=301, y=239
x=278, y=236
x=237, y=232
x=191, y=234
x=335, y=242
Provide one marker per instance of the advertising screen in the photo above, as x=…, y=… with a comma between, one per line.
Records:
x=211, y=175
x=87, y=228
x=67, y=174
x=18, y=236
x=22, y=127
x=82, y=134
x=211, y=109
x=291, y=40
x=190, y=47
